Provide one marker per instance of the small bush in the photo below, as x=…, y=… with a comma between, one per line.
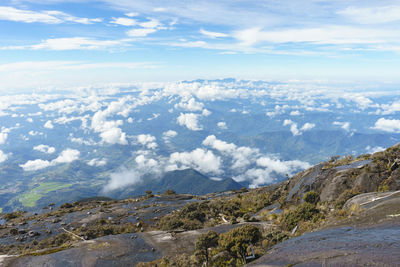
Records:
x=304, y=212
x=237, y=240
x=311, y=197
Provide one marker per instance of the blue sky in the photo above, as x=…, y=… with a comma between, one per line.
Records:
x=48, y=44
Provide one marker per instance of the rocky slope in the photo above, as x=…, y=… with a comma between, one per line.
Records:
x=338, y=212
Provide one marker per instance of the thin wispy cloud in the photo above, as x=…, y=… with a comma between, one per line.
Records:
x=249, y=39
x=48, y=17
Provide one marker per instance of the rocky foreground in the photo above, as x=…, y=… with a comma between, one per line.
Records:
x=345, y=212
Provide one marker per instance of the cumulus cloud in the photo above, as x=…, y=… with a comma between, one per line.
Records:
x=388, y=109
x=3, y=156
x=190, y=121
x=248, y=164
x=147, y=140
x=387, y=125
x=96, y=162
x=109, y=130
x=199, y=159
x=66, y=156
x=114, y=136
x=293, y=127
x=3, y=137
x=222, y=125
x=34, y=165
x=307, y=126
x=362, y=101
x=45, y=149
x=190, y=105
x=282, y=167
x=145, y=166
x=48, y=125
x=168, y=135
x=206, y=112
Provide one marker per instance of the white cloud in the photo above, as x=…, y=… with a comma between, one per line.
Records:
x=387, y=109
x=206, y=112
x=141, y=32
x=66, y=156
x=114, y=136
x=307, y=126
x=152, y=24
x=336, y=35
x=344, y=125
x=362, y=101
x=191, y=105
x=132, y=14
x=124, y=21
x=48, y=125
x=96, y=162
x=295, y=113
x=48, y=17
x=168, y=135
x=147, y=140
x=190, y=121
x=3, y=137
x=3, y=156
x=45, y=149
x=219, y=145
x=213, y=34
x=199, y=159
x=248, y=164
x=75, y=43
x=242, y=157
x=144, y=166
x=372, y=15
x=293, y=127
x=372, y=150
x=282, y=167
x=387, y=125
x=34, y=165
x=222, y=125
x=81, y=141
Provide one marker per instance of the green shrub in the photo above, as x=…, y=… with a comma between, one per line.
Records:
x=303, y=212
x=311, y=197
x=203, y=243
x=237, y=240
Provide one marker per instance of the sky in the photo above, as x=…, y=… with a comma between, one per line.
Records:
x=59, y=44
